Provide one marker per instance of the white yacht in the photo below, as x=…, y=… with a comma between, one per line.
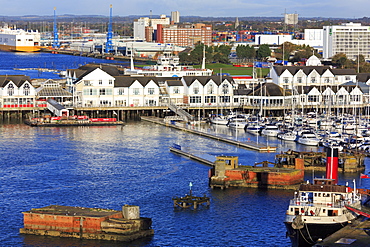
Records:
x=287, y=136
x=253, y=127
x=270, y=130
x=308, y=138
x=238, y=123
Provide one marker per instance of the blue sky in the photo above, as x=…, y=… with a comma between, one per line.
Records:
x=206, y=8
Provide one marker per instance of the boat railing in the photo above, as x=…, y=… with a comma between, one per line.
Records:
x=337, y=204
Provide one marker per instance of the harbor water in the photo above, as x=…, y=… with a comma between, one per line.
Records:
x=107, y=167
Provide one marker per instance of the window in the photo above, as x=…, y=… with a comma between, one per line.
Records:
x=210, y=99
x=313, y=80
x=26, y=89
x=176, y=90
x=102, y=92
x=87, y=83
x=195, y=99
x=151, y=91
x=299, y=79
x=121, y=91
x=100, y=82
x=210, y=89
x=196, y=90
x=225, y=88
x=90, y=91
x=224, y=99
x=10, y=89
x=286, y=80
x=110, y=82
x=136, y=91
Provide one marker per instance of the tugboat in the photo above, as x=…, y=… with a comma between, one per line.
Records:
x=318, y=209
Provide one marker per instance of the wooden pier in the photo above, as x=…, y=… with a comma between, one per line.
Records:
x=248, y=145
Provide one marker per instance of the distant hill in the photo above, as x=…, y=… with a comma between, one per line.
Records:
x=131, y=18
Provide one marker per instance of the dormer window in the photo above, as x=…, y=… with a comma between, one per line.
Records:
x=26, y=89
x=10, y=89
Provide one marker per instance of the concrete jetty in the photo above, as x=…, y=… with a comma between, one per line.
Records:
x=248, y=145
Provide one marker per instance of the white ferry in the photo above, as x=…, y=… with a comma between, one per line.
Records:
x=19, y=40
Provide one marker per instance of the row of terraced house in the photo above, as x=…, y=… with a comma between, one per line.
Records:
x=106, y=86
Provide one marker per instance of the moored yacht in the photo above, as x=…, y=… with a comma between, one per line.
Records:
x=308, y=138
x=270, y=130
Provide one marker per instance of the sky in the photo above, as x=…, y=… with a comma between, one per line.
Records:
x=204, y=8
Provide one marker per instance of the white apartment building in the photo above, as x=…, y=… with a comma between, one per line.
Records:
x=175, y=17
x=349, y=38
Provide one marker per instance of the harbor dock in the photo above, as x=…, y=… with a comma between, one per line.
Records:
x=248, y=145
x=227, y=172
x=356, y=234
x=87, y=223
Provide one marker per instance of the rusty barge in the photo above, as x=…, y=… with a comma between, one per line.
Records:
x=87, y=223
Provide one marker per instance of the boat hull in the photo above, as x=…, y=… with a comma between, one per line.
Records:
x=20, y=48
x=309, y=234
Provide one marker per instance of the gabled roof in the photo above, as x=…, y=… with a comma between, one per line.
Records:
x=205, y=79
x=344, y=71
x=363, y=77
x=174, y=83
x=308, y=69
x=18, y=80
x=127, y=81
x=269, y=89
x=242, y=90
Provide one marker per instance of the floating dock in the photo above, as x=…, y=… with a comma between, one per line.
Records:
x=189, y=201
x=248, y=145
x=87, y=223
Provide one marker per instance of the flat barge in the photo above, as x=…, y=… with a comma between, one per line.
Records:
x=87, y=223
x=64, y=122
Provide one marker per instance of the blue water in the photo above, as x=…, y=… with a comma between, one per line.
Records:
x=10, y=61
x=108, y=167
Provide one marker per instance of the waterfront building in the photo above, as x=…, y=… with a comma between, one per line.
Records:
x=16, y=91
x=208, y=90
x=298, y=76
x=351, y=39
x=175, y=90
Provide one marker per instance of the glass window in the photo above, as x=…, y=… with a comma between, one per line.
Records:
x=196, y=90
x=121, y=91
x=26, y=89
x=225, y=88
x=10, y=89
x=102, y=91
x=151, y=91
x=136, y=91
x=100, y=82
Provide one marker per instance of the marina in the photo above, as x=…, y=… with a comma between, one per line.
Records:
x=106, y=167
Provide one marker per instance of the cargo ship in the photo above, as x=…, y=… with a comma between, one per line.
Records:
x=87, y=223
x=19, y=40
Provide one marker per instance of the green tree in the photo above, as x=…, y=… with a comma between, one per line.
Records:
x=340, y=59
x=263, y=51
